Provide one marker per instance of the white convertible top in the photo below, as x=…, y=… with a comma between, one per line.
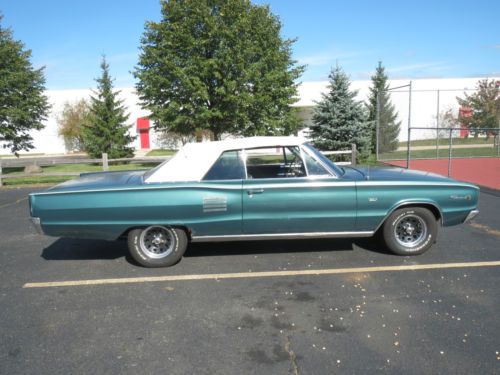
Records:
x=194, y=160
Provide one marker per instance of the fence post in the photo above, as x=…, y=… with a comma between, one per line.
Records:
x=105, y=166
x=353, y=154
x=377, y=127
x=450, y=141
x=498, y=148
x=1, y=173
x=408, y=149
x=409, y=127
x=437, y=126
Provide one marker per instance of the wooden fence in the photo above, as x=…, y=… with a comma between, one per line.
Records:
x=104, y=161
x=46, y=161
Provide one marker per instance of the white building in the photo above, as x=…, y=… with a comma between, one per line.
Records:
x=424, y=107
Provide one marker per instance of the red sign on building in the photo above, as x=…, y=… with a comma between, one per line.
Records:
x=143, y=130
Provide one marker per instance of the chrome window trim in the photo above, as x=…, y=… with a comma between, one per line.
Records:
x=280, y=236
x=328, y=169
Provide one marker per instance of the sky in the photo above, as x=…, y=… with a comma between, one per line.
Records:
x=413, y=39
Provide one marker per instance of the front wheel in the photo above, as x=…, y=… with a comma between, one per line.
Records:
x=157, y=246
x=410, y=231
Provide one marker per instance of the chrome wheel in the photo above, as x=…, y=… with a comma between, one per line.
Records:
x=157, y=242
x=410, y=231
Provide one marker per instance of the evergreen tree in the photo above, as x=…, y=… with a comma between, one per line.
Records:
x=220, y=66
x=107, y=130
x=338, y=119
x=389, y=127
x=23, y=105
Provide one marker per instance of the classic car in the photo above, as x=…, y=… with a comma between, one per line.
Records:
x=259, y=188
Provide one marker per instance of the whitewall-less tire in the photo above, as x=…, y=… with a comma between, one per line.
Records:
x=157, y=245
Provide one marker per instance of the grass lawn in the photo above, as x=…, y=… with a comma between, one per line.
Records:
x=443, y=153
x=445, y=141
x=161, y=152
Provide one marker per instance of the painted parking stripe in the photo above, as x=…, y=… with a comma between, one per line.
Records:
x=244, y=275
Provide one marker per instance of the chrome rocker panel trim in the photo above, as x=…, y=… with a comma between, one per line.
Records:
x=279, y=236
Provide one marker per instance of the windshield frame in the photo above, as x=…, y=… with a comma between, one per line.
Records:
x=325, y=162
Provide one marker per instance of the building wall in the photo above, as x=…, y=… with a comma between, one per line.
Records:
x=423, y=106
x=424, y=102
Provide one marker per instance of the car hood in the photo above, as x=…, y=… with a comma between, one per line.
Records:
x=399, y=174
x=100, y=180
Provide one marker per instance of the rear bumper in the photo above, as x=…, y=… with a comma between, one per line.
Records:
x=471, y=215
x=35, y=223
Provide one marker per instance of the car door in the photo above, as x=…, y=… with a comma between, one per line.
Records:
x=281, y=197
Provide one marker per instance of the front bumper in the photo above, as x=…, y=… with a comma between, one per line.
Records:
x=471, y=215
x=35, y=222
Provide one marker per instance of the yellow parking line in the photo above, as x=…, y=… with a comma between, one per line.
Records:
x=243, y=275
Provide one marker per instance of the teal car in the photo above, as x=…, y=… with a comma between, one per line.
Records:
x=259, y=188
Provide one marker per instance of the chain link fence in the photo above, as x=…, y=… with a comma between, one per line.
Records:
x=426, y=124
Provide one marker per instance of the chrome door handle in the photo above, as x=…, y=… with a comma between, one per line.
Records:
x=254, y=191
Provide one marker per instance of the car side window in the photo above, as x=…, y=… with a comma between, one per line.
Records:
x=274, y=162
x=229, y=166
x=314, y=167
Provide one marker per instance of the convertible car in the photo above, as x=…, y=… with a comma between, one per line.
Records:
x=260, y=188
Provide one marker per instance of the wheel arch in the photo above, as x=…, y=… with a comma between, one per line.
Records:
x=431, y=206
x=125, y=233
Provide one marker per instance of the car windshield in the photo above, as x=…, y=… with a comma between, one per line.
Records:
x=330, y=164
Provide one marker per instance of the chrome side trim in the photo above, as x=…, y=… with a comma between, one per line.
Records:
x=471, y=215
x=407, y=203
x=312, y=183
x=280, y=236
x=35, y=223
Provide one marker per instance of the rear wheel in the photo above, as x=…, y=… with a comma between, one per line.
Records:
x=410, y=231
x=157, y=246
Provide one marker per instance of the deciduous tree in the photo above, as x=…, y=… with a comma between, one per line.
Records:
x=484, y=104
x=218, y=65
x=71, y=123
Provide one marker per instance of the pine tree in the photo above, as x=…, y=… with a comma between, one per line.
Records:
x=107, y=130
x=23, y=105
x=339, y=120
x=220, y=66
x=389, y=127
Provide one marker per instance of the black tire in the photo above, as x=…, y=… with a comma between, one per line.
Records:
x=157, y=246
x=410, y=231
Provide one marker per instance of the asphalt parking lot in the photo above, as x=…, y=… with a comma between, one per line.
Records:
x=351, y=319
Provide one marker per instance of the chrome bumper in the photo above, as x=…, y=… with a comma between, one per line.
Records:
x=35, y=222
x=471, y=215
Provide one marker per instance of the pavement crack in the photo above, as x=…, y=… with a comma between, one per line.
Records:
x=485, y=228
x=13, y=203
x=293, y=357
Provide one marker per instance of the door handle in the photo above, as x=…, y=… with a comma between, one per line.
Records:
x=254, y=191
